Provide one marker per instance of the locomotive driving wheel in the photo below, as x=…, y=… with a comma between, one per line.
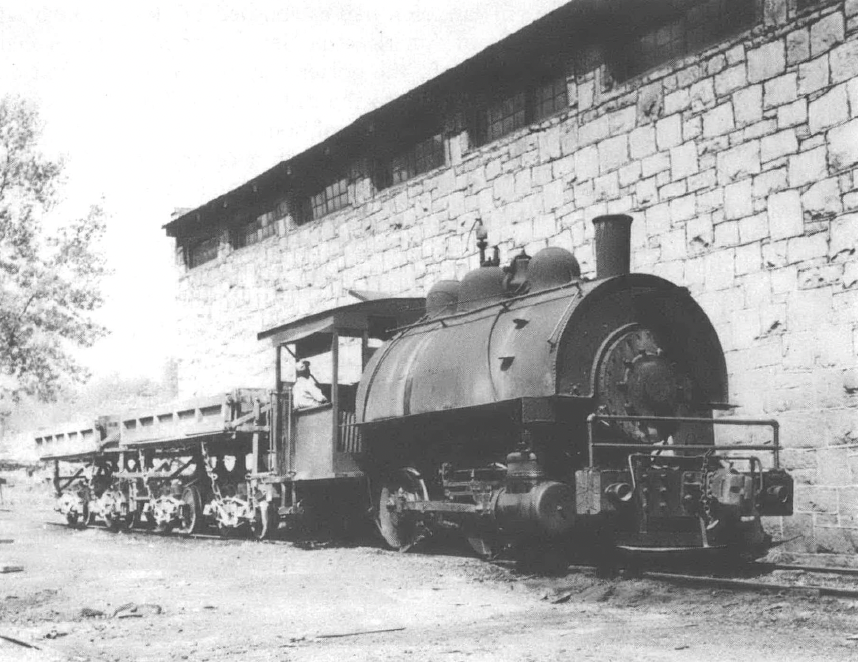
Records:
x=398, y=529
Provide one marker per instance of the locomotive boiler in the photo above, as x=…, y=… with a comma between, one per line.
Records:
x=531, y=405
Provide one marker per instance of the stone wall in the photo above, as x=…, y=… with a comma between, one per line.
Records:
x=740, y=167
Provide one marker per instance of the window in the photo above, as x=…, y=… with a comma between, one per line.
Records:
x=331, y=198
x=421, y=157
x=203, y=251
x=513, y=112
x=690, y=26
x=255, y=231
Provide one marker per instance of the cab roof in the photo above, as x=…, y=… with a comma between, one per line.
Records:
x=378, y=317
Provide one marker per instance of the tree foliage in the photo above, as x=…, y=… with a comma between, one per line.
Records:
x=50, y=271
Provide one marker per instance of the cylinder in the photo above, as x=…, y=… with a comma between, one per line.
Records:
x=546, y=509
x=613, y=245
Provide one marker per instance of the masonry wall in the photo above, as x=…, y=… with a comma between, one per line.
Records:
x=740, y=168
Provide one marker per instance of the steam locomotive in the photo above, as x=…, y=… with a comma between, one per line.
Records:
x=522, y=406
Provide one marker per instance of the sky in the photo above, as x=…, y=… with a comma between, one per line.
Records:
x=165, y=105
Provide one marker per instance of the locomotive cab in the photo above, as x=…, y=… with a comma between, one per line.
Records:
x=313, y=461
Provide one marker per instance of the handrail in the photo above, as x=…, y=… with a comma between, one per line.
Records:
x=774, y=425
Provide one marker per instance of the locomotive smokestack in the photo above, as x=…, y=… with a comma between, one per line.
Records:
x=613, y=245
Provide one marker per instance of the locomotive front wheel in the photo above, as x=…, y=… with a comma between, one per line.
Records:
x=192, y=513
x=398, y=530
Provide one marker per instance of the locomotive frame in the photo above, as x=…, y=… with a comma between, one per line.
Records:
x=525, y=406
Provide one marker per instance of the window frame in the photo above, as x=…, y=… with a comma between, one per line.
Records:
x=519, y=107
x=209, y=255
x=331, y=200
x=696, y=33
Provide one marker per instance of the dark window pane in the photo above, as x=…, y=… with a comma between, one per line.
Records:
x=504, y=117
x=331, y=198
x=203, y=251
x=550, y=98
x=424, y=156
x=702, y=23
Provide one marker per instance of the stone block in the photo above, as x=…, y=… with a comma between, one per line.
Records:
x=738, y=162
x=793, y=114
x=797, y=46
x=748, y=259
x=784, y=279
x=847, y=500
x=594, y=130
x=813, y=75
x=642, y=142
x=549, y=143
x=835, y=540
x=844, y=237
x=625, y=119
x=719, y=269
x=726, y=82
x=736, y=54
x=683, y=209
x=769, y=182
x=606, y=187
x=767, y=61
x=646, y=192
x=844, y=61
x=673, y=246
x=718, y=121
x=809, y=166
x=710, y=200
x=826, y=33
x=804, y=248
x=587, y=162
x=504, y=188
x=668, y=132
x=613, y=153
x=828, y=110
x=753, y=228
x=822, y=200
x=676, y=102
x=745, y=327
x=553, y=195
x=656, y=163
x=683, y=160
x=630, y=174
x=781, y=90
x=843, y=145
x=670, y=191
x=777, y=145
x=748, y=105
x=814, y=499
x=650, y=105
x=738, y=201
x=726, y=234
x=785, y=215
x=819, y=276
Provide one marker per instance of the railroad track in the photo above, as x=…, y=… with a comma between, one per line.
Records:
x=699, y=581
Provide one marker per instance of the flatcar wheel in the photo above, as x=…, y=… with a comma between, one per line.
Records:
x=192, y=513
x=398, y=531
x=265, y=523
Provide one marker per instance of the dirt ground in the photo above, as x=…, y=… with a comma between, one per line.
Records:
x=93, y=595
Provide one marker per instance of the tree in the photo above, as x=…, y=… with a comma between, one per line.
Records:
x=50, y=271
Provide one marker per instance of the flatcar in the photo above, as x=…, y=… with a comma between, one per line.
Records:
x=522, y=406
